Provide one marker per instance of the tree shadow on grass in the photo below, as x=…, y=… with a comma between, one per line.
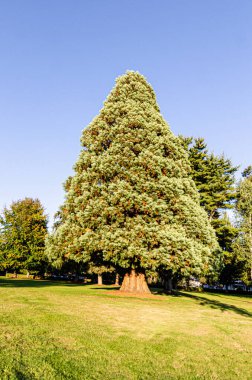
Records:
x=203, y=301
x=21, y=376
x=215, y=304
x=29, y=283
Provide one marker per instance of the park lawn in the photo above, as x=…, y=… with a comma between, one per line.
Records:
x=51, y=330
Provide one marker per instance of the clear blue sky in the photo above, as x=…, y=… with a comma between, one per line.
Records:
x=59, y=59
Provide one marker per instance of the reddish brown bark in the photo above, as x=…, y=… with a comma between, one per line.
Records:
x=134, y=283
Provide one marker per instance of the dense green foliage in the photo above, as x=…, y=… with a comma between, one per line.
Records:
x=227, y=236
x=53, y=331
x=140, y=199
x=131, y=202
x=213, y=176
x=243, y=245
x=22, y=234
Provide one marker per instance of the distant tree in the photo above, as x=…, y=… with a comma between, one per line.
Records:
x=247, y=172
x=244, y=209
x=227, y=232
x=213, y=175
x=131, y=200
x=99, y=271
x=23, y=231
x=231, y=262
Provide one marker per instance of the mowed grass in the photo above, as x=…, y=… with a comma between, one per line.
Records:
x=54, y=330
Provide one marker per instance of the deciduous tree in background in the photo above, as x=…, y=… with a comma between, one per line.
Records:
x=23, y=231
x=131, y=199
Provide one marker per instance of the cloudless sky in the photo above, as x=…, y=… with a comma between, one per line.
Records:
x=59, y=60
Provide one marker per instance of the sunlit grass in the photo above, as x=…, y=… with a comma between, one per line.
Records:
x=66, y=331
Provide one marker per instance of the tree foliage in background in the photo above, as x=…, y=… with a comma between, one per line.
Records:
x=243, y=244
x=227, y=235
x=22, y=234
x=63, y=262
x=213, y=175
x=131, y=201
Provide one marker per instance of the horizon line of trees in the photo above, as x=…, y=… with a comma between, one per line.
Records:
x=142, y=203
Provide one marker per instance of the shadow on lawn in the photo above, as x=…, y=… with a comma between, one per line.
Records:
x=29, y=283
x=204, y=301
x=21, y=376
x=215, y=304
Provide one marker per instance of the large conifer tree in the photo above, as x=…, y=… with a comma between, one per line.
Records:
x=131, y=201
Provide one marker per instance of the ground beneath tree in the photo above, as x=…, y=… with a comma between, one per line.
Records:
x=76, y=331
x=130, y=294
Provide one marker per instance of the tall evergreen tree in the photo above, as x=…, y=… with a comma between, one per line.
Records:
x=132, y=202
x=213, y=175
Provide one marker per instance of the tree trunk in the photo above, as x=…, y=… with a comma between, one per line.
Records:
x=117, y=279
x=149, y=280
x=134, y=283
x=168, y=284
x=15, y=274
x=99, y=279
x=174, y=284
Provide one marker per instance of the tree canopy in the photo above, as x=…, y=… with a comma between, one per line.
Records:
x=132, y=202
x=213, y=175
x=23, y=231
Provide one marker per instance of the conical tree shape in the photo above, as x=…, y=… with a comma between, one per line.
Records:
x=131, y=200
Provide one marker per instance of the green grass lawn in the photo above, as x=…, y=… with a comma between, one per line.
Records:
x=64, y=331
